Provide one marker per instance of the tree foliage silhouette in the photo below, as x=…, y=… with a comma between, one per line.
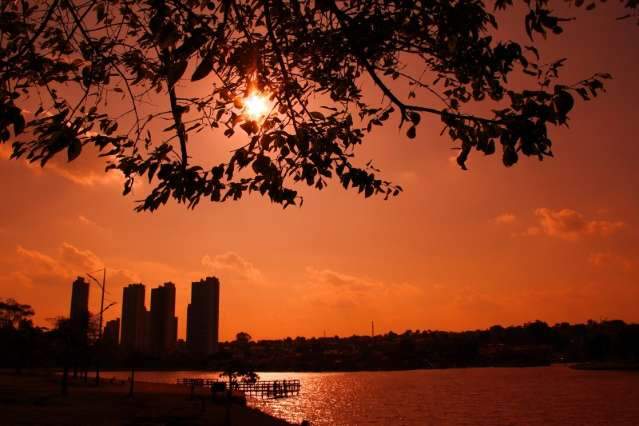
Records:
x=66, y=65
x=17, y=333
x=14, y=314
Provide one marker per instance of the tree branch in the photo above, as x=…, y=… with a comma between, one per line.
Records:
x=179, y=126
x=344, y=20
x=280, y=60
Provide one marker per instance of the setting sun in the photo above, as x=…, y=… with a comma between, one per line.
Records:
x=256, y=106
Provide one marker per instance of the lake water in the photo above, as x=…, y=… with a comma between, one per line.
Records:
x=555, y=395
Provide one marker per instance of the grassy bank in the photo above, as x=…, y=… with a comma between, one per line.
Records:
x=36, y=400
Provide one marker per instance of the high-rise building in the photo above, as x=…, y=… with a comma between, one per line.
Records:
x=147, y=331
x=79, y=302
x=133, y=318
x=163, y=321
x=203, y=316
x=112, y=332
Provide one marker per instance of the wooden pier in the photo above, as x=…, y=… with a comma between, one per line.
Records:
x=259, y=388
x=270, y=388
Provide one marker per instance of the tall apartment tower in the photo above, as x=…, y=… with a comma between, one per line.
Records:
x=163, y=321
x=203, y=316
x=133, y=318
x=112, y=332
x=147, y=331
x=79, y=301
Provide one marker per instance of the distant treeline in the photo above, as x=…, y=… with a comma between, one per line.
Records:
x=531, y=344
x=535, y=343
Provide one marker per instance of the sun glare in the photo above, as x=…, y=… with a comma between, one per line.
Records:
x=256, y=106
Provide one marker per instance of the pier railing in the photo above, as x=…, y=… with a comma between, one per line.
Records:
x=260, y=388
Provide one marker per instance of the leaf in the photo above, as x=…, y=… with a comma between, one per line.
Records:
x=204, y=69
x=412, y=132
x=463, y=155
x=14, y=114
x=74, y=150
x=87, y=76
x=533, y=49
x=368, y=191
x=564, y=102
x=168, y=36
x=510, y=156
x=18, y=124
x=191, y=44
x=490, y=148
x=175, y=72
x=152, y=169
x=250, y=127
x=128, y=185
x=100, y=12
x=583, y=93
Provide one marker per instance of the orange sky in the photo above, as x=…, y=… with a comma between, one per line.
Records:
x=556, y=240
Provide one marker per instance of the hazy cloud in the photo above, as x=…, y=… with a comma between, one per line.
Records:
x=233, y=263
x=84, y=220
x=341, y=281
x=79, y=260
x=603, y=259
x=33, y=267
x=571, y=225
x=337, y=289
x=87, y=170
x=505, y=218
x=68, y=261
x=408, y=176
x=43, y=279
x=331, y=295
x=105, y=232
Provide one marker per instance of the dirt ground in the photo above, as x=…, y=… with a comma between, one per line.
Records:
x=30, y=399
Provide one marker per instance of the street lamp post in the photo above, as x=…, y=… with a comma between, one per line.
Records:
x=102, y=309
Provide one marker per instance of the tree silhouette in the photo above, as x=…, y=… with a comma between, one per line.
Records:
x=243, y=338
x=14, y=314
x=74, y=345
x=235, y=370
x=17, y=333
x=107, y=73
x=66, y=342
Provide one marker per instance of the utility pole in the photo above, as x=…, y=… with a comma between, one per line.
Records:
x=372, y=328
x=99, y=342
x=97, y=364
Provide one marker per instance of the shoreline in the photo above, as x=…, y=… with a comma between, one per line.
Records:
x=380, y=370
x=376, y=370
x=572, y=364
x=606, y=366
x=35, y=399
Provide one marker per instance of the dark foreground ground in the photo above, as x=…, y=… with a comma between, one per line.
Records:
x=36, y=400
